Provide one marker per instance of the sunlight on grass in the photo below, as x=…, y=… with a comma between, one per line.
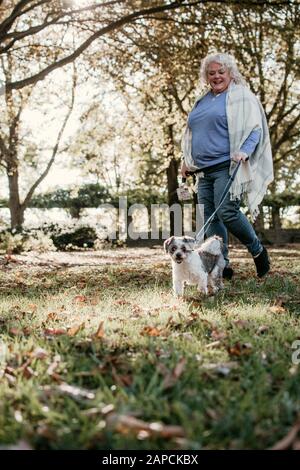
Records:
x=93, y=357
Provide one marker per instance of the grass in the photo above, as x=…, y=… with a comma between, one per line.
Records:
x=161, y=373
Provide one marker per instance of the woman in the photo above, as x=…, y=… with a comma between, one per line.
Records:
x=227, y=124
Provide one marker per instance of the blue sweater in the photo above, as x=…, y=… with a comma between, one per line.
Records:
x=210, y=137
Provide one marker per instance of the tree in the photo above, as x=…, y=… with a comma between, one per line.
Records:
x=17, y=149
x=47, y=35
x=44, y=36
x=263, y=39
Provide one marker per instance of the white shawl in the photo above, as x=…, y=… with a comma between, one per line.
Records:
x=244, y=114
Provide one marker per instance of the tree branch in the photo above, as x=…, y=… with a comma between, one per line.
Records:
x=56, y=146
x=107, y=29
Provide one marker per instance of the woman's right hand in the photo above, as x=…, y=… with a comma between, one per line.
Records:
x=184, y=170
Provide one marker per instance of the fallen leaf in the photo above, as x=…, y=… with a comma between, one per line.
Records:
x=122, y=302
x=15, y=331
x=39, y=353
x=172, y=377
x=32, y=308
x=52, y=367
x=262, y=329
x=241, y=323
x=277, y=309
x=45, y=431
x=126, y=424
x=151, y=331
x=52, y=316
x=100, y=331
x=75, y=329
x=122, y=379
x=218, y=335
x=28, y=372
x=223, y=368
x=214, y=344
x=55, y=331
x=288, y=440
x=239, y=349
x=75, y=392
x=296, y=445
x=80, y=299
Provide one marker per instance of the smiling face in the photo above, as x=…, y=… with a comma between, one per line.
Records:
x=218, y=77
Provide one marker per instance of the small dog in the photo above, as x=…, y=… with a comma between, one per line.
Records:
x=202, y=267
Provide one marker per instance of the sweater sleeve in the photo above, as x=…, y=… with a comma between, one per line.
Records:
x=251, y=142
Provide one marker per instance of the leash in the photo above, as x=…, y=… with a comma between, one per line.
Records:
x=224, y=194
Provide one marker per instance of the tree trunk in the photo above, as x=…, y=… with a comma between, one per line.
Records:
x=276, y=222
x=259, y=224
x=172, y=172
x=15, y=207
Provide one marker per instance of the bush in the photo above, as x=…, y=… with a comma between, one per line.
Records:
x=51, y=237
x=81, y=237
x=16, y=242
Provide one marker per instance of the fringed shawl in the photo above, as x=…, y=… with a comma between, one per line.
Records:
x=244, y=114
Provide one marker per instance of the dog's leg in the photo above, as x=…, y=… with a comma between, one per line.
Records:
x=178, y=287
x=202, y=284
x=215, y=279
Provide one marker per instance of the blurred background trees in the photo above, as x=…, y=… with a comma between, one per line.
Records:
x=137, y=75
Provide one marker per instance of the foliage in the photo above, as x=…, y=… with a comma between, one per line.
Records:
x=83, y=237
x=17, y=242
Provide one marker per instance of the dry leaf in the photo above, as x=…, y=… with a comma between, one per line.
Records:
x=214, y=344
x=126, y=424
x=172, y=377
x=80, y=299
x=75, y=392
x=122, y=302
x=52, y=316
x=52, y=367
x=75, y=329
x=55, y=331
x=262, y=329
x=100, y=331
x=151, y=331
x=218, y=335
x=277, y=309
x=32, y=308
x=15, y=331
x=39, y=353
x=288, y=440
x=241, y=323
x=28, y=372
x=239, y=349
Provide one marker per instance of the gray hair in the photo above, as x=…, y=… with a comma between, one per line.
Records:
x=228, y=61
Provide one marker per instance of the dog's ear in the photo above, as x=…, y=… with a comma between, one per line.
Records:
x=189, y=241
x=167, y=243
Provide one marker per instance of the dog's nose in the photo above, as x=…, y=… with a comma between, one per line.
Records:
x=178, y=256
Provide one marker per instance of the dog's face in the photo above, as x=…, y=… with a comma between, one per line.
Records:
x=179, y=248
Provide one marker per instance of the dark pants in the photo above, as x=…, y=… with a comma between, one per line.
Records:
x=228, y=217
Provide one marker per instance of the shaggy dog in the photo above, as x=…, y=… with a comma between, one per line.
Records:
x=202, y=266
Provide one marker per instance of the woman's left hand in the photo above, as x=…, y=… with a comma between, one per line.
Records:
x=237, y=156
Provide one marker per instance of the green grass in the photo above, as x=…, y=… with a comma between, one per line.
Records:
x=234, y=386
